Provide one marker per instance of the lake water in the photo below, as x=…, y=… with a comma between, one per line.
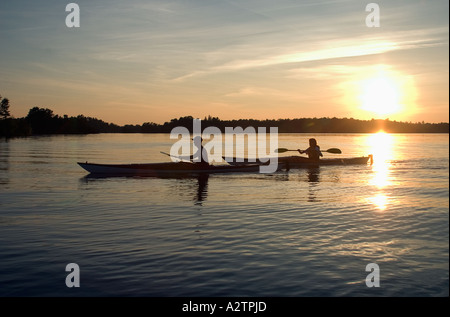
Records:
x=306, y=232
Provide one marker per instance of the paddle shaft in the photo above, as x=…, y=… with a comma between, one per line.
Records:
x=332, y=150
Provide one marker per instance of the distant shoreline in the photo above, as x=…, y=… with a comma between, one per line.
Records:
x=42, y=121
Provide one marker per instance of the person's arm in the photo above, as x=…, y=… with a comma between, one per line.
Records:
x=306, y=151
x=320, y=152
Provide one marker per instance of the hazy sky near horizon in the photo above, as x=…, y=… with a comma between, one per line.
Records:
x=140, y=61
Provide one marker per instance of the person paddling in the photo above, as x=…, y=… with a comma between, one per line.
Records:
x=313, y=151
x=201, y=155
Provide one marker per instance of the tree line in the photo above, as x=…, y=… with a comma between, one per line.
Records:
x=41, y=121
x=304, y=125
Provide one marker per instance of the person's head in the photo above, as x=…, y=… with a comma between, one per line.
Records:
x=197, y=140
x=312, y=142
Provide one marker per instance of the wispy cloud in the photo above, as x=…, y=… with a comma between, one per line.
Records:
x=334, y=49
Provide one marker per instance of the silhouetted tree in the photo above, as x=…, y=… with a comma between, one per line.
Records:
x=4, y=107
x=40, y=120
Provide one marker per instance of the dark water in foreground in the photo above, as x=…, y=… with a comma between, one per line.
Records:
x=306, y=232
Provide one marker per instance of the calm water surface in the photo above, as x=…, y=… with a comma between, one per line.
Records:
x=306, y=232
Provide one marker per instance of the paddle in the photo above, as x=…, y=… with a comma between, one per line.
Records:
x=177, y=157
x=332, y=150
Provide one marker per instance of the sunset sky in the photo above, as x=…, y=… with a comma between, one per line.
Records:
x=140, y=61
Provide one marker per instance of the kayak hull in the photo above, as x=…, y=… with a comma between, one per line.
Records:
x=300, y=161
x=156, y=169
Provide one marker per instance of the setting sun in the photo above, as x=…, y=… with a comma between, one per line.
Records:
x=381, y=95
x=380, y=91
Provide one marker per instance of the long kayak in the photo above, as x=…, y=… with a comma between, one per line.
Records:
x=155, y=169
x=236, y=166
x=301, y=161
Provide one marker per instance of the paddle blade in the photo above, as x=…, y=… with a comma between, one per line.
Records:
x=281, y=150
x=334, y=150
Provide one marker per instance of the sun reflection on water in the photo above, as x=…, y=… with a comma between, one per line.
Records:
x=380, y=201
x=381, y=145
